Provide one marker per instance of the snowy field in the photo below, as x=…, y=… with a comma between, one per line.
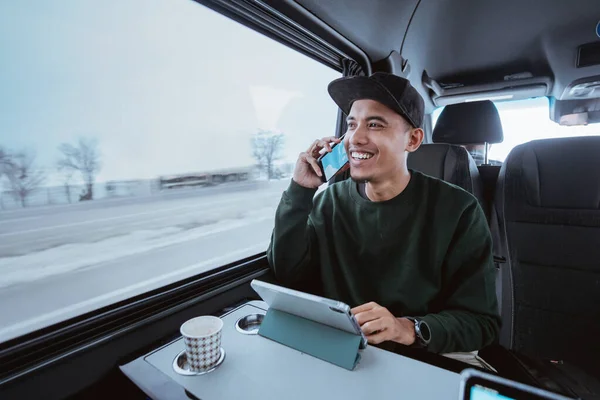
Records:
x=58, y=262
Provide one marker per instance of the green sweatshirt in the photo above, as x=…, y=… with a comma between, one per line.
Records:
x=425, y=253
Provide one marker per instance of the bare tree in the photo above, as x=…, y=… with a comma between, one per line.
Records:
x=23, y=176
x=83, y=157
x=5, y=162
x=267, y=147
x=67, y=176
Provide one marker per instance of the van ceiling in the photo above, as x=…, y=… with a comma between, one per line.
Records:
x=470, y=41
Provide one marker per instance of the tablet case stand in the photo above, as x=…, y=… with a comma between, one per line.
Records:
x=321, y=341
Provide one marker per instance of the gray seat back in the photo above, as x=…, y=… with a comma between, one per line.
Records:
x=476, y=123
x=450, y=163
x=548, y=201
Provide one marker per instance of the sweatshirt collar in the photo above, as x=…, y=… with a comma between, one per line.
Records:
x=402, y=197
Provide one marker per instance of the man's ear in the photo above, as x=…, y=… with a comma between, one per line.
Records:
x=415, y=139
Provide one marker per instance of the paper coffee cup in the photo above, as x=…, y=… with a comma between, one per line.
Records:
x=202, y=338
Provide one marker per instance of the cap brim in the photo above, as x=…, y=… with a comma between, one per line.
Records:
x=345, y=91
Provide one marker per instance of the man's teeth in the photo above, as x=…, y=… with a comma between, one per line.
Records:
x=361, y=156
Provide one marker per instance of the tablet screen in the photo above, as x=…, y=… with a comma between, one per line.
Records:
x=482, y=393
x=487, y=387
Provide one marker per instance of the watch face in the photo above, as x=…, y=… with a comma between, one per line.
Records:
x=424, y=331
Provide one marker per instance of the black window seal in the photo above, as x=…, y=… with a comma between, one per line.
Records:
x=42, y=348
x=268, y=18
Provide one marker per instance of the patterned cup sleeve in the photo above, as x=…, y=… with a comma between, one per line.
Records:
x=203, y=353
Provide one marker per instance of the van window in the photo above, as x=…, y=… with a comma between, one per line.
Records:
x=526, y=120
x=141, y=142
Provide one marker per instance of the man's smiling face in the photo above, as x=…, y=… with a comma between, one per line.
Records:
x=376, y=141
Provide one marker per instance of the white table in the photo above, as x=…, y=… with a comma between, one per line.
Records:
x=258, y=368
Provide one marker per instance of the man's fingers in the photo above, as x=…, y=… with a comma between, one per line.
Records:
x=310, y=160
x=374, y=326
x=364, y=307
x=319, y=144
x=326, y=140
x=312, y=147
x=315, y=147
x=366, y=316
x=320, y=148
x=324, y=144
x=379, y=337
x=315, y=165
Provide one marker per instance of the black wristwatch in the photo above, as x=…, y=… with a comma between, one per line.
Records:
x=422, y=332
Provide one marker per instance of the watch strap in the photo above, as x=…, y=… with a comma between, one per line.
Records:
x=422, y=339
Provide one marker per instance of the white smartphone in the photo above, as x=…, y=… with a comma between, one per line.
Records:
x=319, y=309
x=332, y=163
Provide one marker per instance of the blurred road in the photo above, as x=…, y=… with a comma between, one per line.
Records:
x=26, y=230
x=60, y=261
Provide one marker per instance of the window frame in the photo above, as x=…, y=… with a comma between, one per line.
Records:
x=304, y=33
x=40, y=350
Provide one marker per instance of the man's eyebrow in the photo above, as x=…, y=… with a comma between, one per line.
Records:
x=377, y=118
x=370, y=118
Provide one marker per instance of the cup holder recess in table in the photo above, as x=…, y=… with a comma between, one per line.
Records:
x=249, y=324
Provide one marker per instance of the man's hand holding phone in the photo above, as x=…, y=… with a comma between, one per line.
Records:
x=309, y=172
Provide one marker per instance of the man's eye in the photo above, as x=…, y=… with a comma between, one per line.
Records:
x=375, y=125
x=351, y=125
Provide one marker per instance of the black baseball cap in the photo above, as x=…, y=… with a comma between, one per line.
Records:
x=390, y=90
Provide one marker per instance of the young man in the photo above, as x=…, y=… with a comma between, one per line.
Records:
x=411, y=253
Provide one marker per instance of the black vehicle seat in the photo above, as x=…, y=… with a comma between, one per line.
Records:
x=452, y=164
x=476, y=122
x=473, y=123
x=548, y=201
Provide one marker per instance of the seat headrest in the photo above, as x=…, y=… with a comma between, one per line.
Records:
x=559, y=173
x=447, y=162
x=469, y=123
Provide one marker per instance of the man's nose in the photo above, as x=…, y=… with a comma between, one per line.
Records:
x=359, y=136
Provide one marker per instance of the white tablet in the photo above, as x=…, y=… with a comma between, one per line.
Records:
x=476, y=385
x=319, y=309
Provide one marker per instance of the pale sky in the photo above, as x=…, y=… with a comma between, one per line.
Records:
x=166, y=86
x=170, y=87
